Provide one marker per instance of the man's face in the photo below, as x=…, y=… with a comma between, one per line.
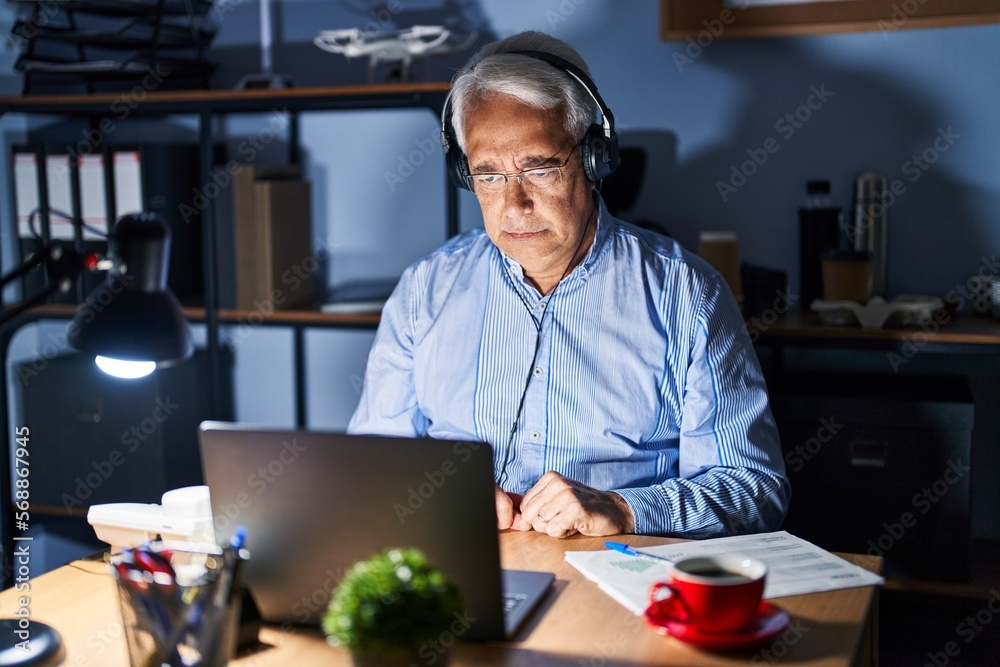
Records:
x=539, y=228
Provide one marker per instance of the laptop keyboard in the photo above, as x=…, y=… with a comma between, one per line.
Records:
x=512, y=601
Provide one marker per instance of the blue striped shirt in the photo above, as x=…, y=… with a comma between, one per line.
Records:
x=645, y=381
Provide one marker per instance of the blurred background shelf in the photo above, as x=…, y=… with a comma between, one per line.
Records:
x=87, y=46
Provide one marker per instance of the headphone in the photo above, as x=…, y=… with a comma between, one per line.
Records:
x=598, y=148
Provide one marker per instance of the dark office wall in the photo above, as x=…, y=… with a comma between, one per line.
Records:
x=893, y=95
x=885, y=97
x=699, y=110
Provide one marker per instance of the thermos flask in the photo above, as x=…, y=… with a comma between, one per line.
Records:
x=868, y=226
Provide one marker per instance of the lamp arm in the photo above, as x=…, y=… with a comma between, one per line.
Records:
x=10, y=313
x=35, y=260
x=62, y=265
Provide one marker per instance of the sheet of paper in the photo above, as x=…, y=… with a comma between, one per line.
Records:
x=795, y=567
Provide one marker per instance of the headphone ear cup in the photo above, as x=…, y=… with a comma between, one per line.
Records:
x=456, y=163
x=600, y=154
x=587, y=154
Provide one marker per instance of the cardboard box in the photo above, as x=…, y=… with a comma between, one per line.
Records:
x=272, y=238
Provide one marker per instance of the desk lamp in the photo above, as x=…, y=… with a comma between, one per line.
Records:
x=133, y=324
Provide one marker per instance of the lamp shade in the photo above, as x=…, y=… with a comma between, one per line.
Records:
x=133, y=316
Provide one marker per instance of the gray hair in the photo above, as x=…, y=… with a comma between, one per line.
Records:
x=495, y=70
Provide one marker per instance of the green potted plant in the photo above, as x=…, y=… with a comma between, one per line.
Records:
x=392, y=608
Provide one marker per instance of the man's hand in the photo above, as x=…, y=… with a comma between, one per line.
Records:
x=561, y=507
x=508, y=507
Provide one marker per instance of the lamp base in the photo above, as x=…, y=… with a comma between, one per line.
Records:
x=264, y=81
x=43, y=647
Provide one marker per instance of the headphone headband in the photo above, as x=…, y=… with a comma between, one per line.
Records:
x=607, y=118
x=599, y=146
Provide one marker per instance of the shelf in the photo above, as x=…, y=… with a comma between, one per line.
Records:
x=136, y=37
x=964, y=333
x=430, y=94
x=290, y=318
x=128, y=8
x=722, y=19
x=983, y=583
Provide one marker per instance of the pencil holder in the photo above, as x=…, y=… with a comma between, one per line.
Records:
x=170, y=621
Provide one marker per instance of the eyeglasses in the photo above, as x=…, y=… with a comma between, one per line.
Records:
x=538, y=178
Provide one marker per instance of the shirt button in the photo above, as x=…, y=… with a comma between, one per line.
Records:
x=537, y=371
x=535, y=436
x=542, y=304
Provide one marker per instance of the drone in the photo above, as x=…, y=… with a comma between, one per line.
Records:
x=398, y=48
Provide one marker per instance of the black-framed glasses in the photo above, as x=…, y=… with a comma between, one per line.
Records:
x=538, y=178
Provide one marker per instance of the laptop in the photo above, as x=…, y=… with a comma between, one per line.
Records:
x=313, y=503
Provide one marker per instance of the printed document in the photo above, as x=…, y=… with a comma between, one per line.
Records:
x=794, y=566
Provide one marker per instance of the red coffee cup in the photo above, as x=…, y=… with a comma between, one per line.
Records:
x=717, y=594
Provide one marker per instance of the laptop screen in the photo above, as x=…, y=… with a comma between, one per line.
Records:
x=313, y=503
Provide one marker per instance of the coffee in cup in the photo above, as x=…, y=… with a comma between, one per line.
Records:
x=714, y=594
x=847, y=275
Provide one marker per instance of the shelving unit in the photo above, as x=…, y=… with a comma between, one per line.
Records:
x=92, y=43
x=207, y=106
x=211, y=104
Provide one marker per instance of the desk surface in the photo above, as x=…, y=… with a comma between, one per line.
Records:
x=796, y=327
x=577, y=624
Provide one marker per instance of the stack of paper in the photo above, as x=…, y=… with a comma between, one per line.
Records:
x=794, y=567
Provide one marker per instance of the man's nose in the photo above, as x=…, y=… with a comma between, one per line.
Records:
x=516, y=196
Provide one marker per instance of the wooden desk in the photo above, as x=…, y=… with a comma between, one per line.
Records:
x=953, y=333
x=577, y=624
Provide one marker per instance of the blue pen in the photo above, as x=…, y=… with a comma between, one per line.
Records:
x=629, y=551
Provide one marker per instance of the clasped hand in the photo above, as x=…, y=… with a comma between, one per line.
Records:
x=561, y=507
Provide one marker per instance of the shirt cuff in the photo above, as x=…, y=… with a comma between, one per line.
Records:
x=649, y=510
